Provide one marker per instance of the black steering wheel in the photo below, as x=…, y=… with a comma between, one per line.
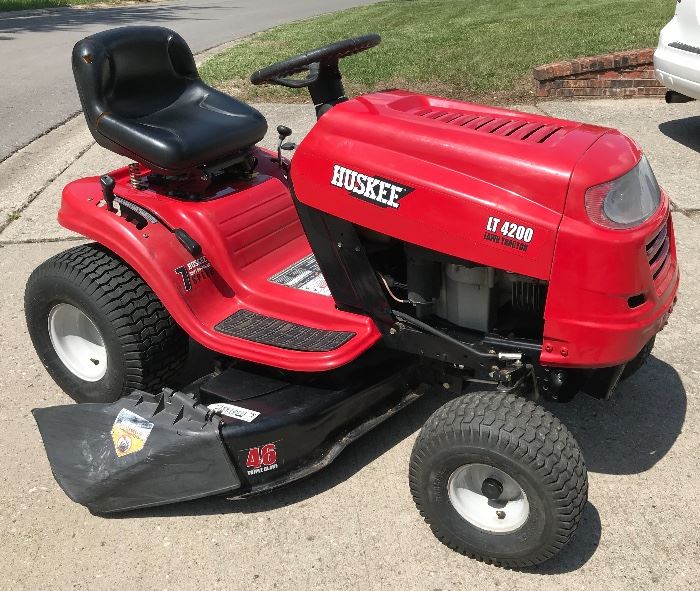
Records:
x=315, y=62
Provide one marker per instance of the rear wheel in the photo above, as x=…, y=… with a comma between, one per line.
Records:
x=99, y=330
x=498, y=478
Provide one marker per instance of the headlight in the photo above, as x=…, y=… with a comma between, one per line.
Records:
x=627, y=201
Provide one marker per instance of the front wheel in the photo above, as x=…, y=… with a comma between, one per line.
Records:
x=498, y=478
x=98, y=328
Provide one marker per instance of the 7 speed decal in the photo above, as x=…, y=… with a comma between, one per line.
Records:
x=509, y=234
x=194, y=272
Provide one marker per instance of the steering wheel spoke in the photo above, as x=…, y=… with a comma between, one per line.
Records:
x=313, y=72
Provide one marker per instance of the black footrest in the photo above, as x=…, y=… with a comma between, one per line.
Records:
x=250, y=326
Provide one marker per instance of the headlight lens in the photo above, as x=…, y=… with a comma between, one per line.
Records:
x=627, y=201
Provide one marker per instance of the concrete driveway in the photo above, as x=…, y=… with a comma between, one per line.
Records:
x=354, y=525
x=38, y=90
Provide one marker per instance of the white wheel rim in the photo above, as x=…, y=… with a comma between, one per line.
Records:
x=508, y=512
x=77, y=342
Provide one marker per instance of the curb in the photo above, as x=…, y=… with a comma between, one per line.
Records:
x=27, y=172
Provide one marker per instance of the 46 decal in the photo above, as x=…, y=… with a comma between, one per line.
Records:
x=508, y=233
x=261, y=459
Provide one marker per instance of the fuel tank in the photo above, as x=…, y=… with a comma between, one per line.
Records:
x=480, y=183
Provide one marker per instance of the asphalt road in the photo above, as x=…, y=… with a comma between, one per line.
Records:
x=38, y=92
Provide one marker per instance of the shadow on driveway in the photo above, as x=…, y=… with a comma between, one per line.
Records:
x=634, y=430
x=66, y=19
x=626, y=435
x=685, y=131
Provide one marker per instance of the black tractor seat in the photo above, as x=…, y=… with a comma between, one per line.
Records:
x=143, y=98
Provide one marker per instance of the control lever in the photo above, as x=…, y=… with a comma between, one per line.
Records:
x=107, y=183
x=140, y=218
x=190, y=244
x=284, y=132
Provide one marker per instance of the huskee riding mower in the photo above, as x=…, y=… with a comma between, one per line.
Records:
x=413, y=245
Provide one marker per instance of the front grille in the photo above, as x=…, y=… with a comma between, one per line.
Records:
x=684, y=47
x=514, y=128
x=659, y=251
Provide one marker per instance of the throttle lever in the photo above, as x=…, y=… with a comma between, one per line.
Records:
x=284, y=132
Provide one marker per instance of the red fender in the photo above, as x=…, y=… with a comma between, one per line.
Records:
x=248, y=235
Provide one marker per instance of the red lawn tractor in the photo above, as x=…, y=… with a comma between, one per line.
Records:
x=414, y=245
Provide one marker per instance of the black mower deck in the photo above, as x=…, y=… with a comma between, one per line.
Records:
x=239, y=432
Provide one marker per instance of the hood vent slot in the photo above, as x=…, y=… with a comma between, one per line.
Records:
x=514, y=128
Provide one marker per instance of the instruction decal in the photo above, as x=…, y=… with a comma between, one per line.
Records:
x=194, y=272
x=304, y=274
x=509, y=234
x=130, y=432
x=235, y=412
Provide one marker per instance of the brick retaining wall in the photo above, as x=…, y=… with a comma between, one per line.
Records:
x=621, y=74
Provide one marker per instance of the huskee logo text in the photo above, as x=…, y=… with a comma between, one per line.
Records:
x=376, y=190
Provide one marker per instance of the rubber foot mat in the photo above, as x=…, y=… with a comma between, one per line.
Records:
x=250, y=326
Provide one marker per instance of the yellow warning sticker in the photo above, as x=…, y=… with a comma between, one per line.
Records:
x=130, y=432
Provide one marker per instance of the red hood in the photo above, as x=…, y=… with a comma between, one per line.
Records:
x=531, y=155
x=463, y=165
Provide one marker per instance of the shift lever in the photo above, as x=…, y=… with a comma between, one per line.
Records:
x=108, y=184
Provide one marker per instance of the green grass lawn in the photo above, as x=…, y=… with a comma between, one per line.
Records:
x=478, y=49
x=28, y=4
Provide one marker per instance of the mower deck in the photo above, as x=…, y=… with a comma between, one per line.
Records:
x=239, y=432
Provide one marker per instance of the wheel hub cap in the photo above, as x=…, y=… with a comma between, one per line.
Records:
x=488, y=498
x=491, y=489
x=77, y=342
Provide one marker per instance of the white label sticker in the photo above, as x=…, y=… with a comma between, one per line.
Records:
x=304, y=274
x=235, y=412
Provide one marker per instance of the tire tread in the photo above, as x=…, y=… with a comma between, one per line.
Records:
x=526, y=432
x=154, y=346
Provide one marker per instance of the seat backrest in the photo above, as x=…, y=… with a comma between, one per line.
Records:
x=131, y=71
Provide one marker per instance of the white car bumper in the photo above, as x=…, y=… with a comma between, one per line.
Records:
x=677, y=69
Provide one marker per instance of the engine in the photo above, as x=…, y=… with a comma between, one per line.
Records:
x=465, y=294
x=478, y=297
